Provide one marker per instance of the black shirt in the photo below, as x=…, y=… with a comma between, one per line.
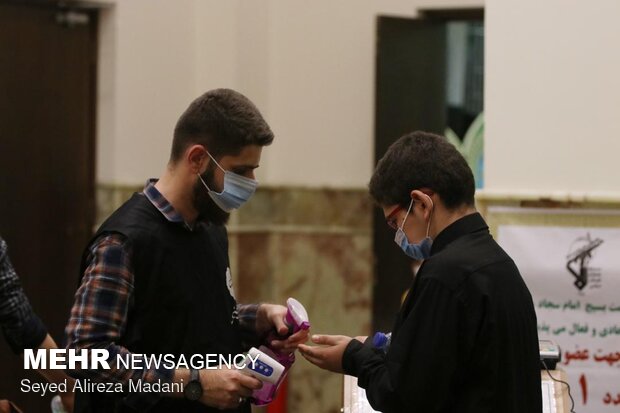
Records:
x=465, y=339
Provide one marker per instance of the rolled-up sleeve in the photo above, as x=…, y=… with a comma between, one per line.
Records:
x=247, y=325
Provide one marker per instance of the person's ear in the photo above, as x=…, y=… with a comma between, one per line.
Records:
x=423, y=202
x=197, y=158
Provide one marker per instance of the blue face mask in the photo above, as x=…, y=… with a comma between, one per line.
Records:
x=419, y=251
x=237, y=189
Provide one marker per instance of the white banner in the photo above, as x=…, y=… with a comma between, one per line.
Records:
x=574, y=277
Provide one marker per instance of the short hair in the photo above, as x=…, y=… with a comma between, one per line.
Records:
x=422, y=160
x=222, y=120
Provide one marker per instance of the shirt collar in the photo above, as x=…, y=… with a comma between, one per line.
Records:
x=162, y=204
x=463, y=226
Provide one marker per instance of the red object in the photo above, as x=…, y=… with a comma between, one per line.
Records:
x=584, y=388
x=278, y=405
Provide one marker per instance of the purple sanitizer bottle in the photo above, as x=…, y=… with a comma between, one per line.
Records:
x=296, y=319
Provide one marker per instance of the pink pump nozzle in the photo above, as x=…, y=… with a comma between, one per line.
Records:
x=296, y=316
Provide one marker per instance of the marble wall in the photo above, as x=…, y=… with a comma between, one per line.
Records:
x=314, y=245
x=311, y=244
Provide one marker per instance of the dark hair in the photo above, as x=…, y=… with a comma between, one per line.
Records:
x=222, y=120
x=422, y=160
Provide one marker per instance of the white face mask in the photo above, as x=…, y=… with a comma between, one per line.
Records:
x=237, y=189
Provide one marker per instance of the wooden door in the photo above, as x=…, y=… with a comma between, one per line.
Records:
x=47, y=120
x=410, y=95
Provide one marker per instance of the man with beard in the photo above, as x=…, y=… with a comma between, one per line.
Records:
x=156, y=277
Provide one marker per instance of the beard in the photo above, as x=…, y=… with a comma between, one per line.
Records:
x=208, y=211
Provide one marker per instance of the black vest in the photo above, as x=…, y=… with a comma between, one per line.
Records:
x=180, y=304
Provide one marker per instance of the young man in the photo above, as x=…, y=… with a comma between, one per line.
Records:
x=465, y=339
x=156, y=276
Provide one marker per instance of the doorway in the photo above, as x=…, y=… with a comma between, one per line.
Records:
x=47, y=144
x=429, y=75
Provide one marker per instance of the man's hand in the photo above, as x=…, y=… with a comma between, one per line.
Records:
x=226, y=389
x=5, y=407
x=8, y=407
x=328, y=357
x=68, y=400
x=270, y=317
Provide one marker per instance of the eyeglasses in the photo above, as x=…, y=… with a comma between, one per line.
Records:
x=391, y=218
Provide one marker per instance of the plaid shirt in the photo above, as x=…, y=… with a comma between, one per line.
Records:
x=20, y=325
x=103, y=300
